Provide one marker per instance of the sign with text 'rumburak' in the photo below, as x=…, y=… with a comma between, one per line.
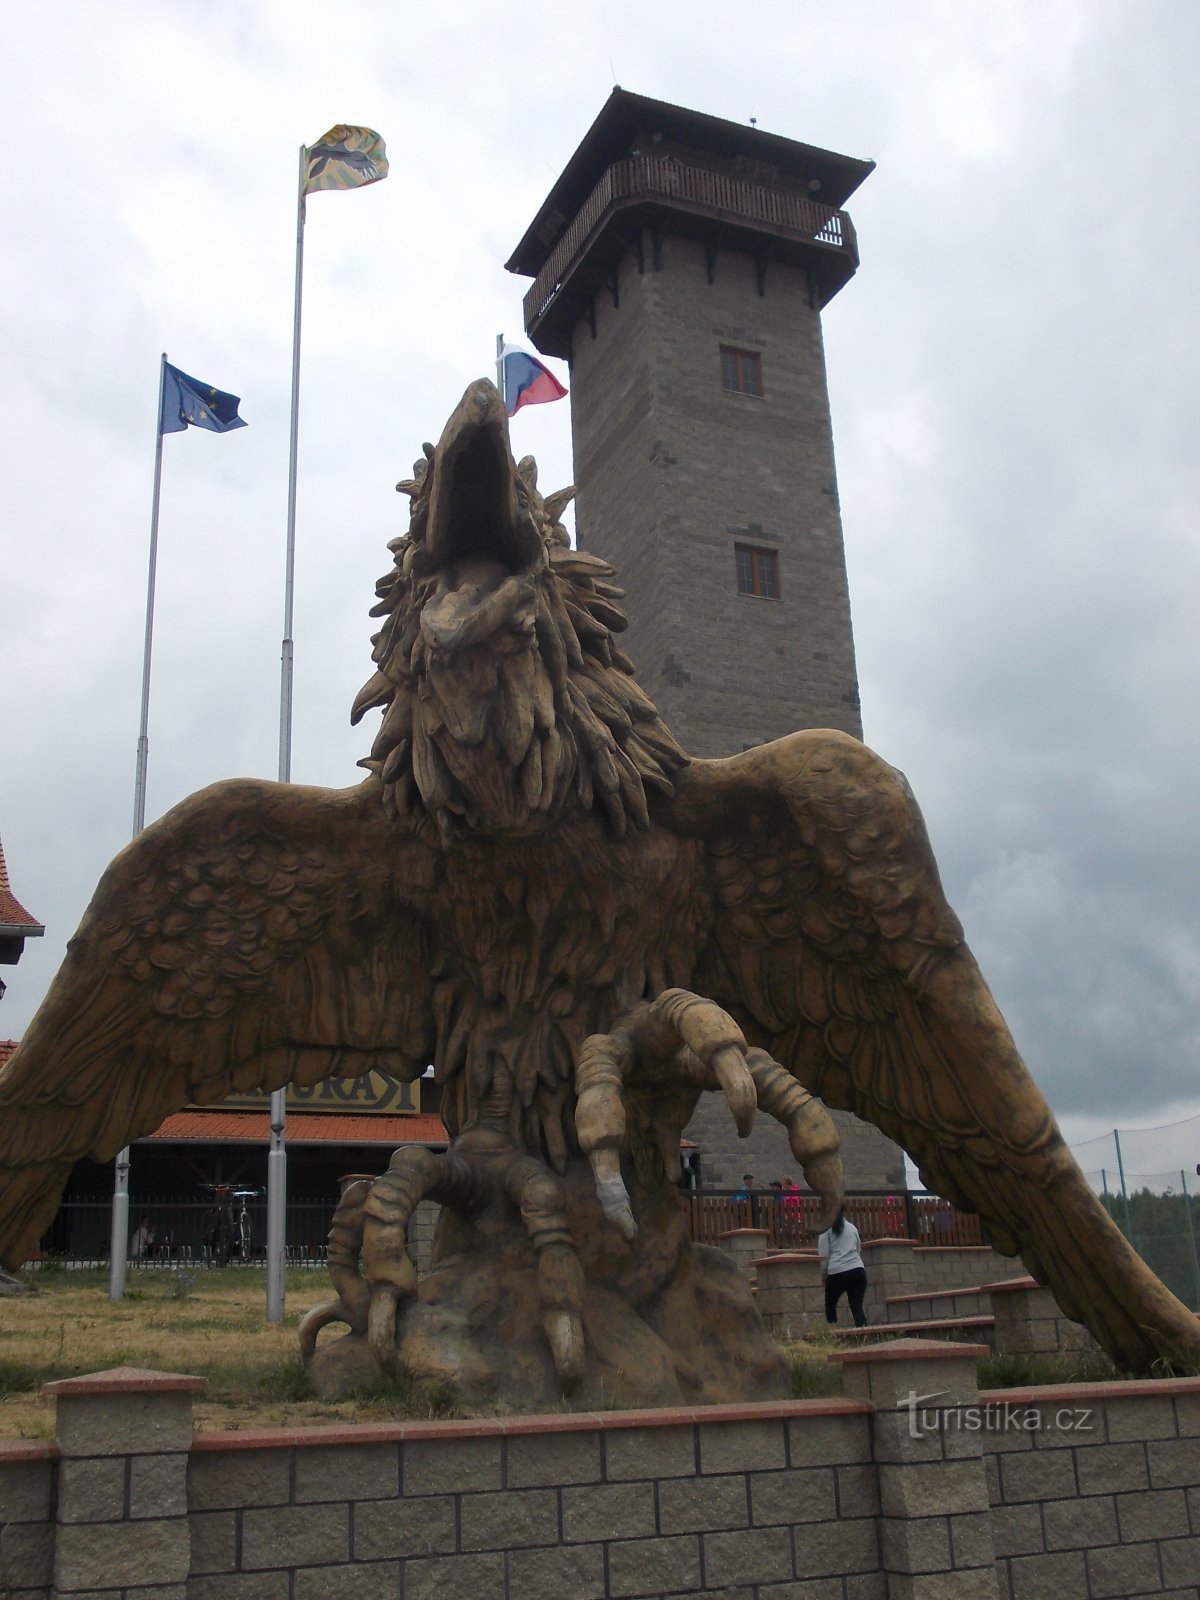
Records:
x=371, y=1095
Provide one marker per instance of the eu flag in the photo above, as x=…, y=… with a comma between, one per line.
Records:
x=188, y=402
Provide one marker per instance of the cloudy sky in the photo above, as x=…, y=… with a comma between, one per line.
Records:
x=1013, y=374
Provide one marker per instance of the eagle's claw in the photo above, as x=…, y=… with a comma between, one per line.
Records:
x=685, y=1038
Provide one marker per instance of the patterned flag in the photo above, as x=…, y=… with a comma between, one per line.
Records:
x=188, y=402
x=344, y=158
x=527, y=381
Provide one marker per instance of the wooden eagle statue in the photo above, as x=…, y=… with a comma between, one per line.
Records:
x=582, y=928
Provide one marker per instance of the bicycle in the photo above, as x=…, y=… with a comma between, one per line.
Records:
x=225, y=1234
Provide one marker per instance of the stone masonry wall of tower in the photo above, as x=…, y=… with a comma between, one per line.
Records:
x=673, y=473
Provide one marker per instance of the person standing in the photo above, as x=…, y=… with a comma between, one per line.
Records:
x=842, y=1269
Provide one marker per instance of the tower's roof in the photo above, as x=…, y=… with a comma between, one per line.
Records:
x=13, y=916
x=625, y=116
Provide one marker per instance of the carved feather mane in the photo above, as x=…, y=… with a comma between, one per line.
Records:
x=566, y=717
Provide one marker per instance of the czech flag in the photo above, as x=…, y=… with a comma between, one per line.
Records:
x=526, y=381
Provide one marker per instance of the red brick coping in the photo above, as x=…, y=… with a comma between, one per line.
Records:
x=957, y=1249
x=786, y=1255
x=1054, y=1394
x=938, y=1294
x=912, y=1330
x=738, y=1233
x=132, y=1380
x=1010, y=1285
x=27, y=1450
x=566, y=1422
x=913, y=1350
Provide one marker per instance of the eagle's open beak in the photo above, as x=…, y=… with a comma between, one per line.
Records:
x=474, y=511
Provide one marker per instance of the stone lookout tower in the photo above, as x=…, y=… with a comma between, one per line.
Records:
x=680, y=264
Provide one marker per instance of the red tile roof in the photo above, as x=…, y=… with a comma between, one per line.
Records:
x=254, y=1127
x=7, y=1046
x=13, y=915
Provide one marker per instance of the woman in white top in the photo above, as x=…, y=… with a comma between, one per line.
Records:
x=842, y=1270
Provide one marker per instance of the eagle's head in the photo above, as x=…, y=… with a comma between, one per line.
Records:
x=505, y=697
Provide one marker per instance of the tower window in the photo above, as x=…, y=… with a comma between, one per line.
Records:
x=757, y=571
x=741, y=371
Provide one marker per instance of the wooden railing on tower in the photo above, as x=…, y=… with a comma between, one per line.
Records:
x=665, y=179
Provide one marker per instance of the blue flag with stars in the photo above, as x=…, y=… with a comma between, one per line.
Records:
x=188, y=402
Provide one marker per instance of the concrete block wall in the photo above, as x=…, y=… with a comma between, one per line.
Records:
x=1095, y=1490
x=27, y=1480
x=1029, y=1321
x=960, y=1266
x=912, y=1486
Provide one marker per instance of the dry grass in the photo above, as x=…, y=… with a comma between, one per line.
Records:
x=216, y=1329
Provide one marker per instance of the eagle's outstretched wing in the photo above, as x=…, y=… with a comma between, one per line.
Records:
x=836, y=949
x=259, y=934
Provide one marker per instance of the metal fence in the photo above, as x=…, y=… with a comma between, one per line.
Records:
x=212, y=1233
x=184, y=1232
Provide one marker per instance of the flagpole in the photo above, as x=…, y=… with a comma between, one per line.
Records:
x=118, y=1257
x=277, y=1154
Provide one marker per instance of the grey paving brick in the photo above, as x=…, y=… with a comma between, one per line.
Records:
x=214, y=1541
x=420, y=1527
x=1080, y=1524
x=1049, y=1577
x=540, y=1459
x=1017, y=1530
x=563, y=1573
x=224, y=1480
x=295, y=1536
x=914, y=1544
x=241, y=1586
x=116, y=1555
x=378, y=1580
x=354, y=1472
x=652, y=1566
x=158, y=1486
x=508, y=1519
x=929, y=1489
x=26, y=1555
x=1122, y=1571
x=1143, y=1418
x=800, y=1496
x=695, y=1505
x=1107, y=1469
x=1041, y=1475
x=123, y=1424
x=455, y=1577
x=649, y=1453
x=608, y=1511
x=92, y=1490
x=25, y=1491
x=1180, y=1560
x=1174, y=1463
x=742, y=1446
x=836, y=1549
x=761, y=1555
x=450, y=1466
x=1157, y=1514
x=827, y=1441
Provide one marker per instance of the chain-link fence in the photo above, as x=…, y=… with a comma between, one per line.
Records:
x=1155, y=1203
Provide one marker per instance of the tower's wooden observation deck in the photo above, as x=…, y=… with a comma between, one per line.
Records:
x=646, y=170
x=649, y=195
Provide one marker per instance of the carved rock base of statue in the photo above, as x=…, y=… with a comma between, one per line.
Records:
x=665, y=1322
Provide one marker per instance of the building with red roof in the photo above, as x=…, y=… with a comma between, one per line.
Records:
x=16, y=925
